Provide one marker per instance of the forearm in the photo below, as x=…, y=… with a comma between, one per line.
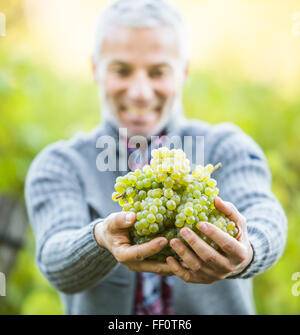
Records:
x=245, y=180
x=73, y=261
x=267, y=231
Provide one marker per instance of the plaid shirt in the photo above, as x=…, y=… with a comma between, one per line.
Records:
x=153, y=292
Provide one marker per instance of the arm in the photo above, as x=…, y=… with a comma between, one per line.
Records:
x=245, y=181
x=72, y=252
x=67, y=252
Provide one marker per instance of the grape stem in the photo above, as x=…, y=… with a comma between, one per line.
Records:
x=216, y=167
x=120, y=195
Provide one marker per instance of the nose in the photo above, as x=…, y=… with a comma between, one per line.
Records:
x=140, y=88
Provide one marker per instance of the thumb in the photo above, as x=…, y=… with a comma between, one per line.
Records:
x=121, y=220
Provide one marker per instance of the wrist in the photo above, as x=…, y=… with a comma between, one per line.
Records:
x=98, y=233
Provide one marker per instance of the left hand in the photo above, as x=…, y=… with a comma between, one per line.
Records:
x=204, y=264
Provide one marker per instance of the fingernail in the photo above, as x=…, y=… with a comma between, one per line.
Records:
x=202, y=226
x=185, y=233
x=162, y=243
x=129, y=217
x=174, y=243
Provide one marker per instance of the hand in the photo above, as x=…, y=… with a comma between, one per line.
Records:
x=204, y=264
x=113, y=234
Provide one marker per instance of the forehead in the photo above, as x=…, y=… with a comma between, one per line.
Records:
x=140, y=44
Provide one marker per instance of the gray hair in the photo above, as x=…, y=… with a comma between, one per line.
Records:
x=141, y=14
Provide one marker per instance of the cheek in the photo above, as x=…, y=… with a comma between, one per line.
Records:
x=113, y=85
x=166, y=88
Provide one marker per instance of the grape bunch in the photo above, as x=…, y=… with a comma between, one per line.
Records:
x=166, y=196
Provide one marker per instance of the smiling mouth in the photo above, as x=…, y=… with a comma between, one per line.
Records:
x=139, y=111
x=140, y=116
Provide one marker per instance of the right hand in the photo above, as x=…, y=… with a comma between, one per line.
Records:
x=113, y=234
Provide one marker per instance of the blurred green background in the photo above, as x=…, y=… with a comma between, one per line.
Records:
x=245, y=68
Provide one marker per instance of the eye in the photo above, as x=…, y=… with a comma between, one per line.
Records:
x=123, y=72
x=156, y=73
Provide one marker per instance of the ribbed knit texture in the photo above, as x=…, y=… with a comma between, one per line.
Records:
x=63, y=183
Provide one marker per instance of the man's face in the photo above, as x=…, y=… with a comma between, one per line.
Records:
x=141, y=74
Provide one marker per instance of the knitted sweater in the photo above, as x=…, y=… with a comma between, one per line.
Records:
x=66, y=195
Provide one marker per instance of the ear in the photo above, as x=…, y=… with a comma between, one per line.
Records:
x=93, y=67
x=187, y=70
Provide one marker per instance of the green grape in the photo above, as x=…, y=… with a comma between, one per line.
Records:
x=168, y=183
x=143, y=223
x=122, y=202
x=149, y=173
x=171, y=205
x=188, y=211
x=157, y=193
x=151, y=218
x=120, y=187
x=198, y=207
x=166, y=196
x=176, y=198
x=132, y=180
x=145, y=213
x=157, y=202
x=153, y=209
x=119, y=179
x=139, y=215
x=161, y=177
x=190, y=219
x=114, y=196
x=139, y=184
x=137, y=205
x=137, y=225
x=179, y=223
x=142, y=194
x=202, y=216
x=155, y=185
x=154, y=228
x=127, y=207
x=162, y=209
x=159, y=217
x=209, y=191
x=130, y=192
x=181, y=217
x=211, y=183
x=146, y=183
x=197, y=194
x=168, y=193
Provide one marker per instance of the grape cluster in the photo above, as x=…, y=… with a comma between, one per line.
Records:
x=165, y=197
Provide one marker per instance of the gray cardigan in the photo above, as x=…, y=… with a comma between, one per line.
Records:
x=66, y=195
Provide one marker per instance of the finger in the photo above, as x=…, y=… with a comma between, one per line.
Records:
x=179, y=270
x=190, y=259
x=184, y=265
x=121, y=220
x=228, y=209
x=138, y=252
x=151, y=266
x=205, y=252
x=229, y=245
x=233, y=214
x=187, y=275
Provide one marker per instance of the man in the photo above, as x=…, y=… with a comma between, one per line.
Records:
x=140, y=65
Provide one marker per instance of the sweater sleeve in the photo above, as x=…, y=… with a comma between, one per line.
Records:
x=67, y=252
x=245, y=180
